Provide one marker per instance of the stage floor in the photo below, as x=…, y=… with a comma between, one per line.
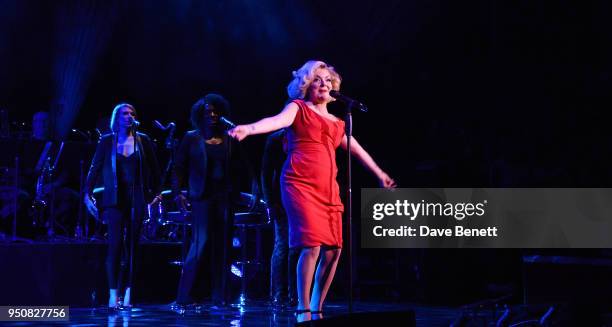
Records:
x=251, y=315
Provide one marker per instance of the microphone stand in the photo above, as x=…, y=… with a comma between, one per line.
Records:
x=229, y=212
x=171, y=146
x=137, y=149
x=349, y=199
x=51, y=227
x=350, y=104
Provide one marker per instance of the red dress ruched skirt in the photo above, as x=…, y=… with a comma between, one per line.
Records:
x=309, y=189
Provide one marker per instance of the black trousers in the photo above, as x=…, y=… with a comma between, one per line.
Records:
x=283, y=263
x=211, y=224
x=120, y=234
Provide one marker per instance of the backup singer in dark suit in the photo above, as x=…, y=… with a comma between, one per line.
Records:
x=284, y=259
x=130, y=172
x=202, y=160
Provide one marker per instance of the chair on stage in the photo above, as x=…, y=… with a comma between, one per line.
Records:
x=251, y=220
x=170, y=225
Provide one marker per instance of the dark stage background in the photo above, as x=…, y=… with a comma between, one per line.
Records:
x=461, y=93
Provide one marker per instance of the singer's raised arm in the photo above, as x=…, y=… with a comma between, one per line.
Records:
x=283, y=119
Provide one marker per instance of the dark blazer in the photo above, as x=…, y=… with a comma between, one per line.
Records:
x=191, y=161
x=105, y=161
x=272, y=162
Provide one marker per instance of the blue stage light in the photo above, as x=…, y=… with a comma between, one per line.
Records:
x=236, y=242
x=236, y=271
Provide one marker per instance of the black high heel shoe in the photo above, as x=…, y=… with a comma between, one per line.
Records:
x=299, y=312
x=319, y=314
x=124, y=308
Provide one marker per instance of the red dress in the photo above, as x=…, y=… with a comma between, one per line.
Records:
x=309, y=189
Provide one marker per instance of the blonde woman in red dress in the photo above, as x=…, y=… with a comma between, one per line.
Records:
x=309, y=189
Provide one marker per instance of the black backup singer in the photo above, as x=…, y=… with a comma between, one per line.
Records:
x=202, y=160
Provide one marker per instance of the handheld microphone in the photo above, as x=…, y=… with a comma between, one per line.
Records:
x=226, y=122
x=343, y=98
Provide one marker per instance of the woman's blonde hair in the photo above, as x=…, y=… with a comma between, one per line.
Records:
x=298, y=87
x=114, y=126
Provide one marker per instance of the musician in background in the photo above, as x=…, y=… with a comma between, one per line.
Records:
x=30, y=154
x=56, y=180
x=41, y=126
x=47, y=205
